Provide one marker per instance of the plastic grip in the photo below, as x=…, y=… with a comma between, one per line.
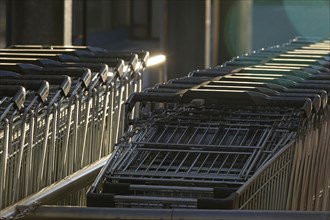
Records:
x=162, y=90
x=65, y=86
x=9, y=73
x=21, y=68
x=173, y=86
x=316, y=99
x=16, y=92
x=191, y=80
x=119, y=68
x=151, y=97
x=43, y=91
x=83, y=74
x=94, y=67
x=241, y=97
x=209, y=73
x=41, y=86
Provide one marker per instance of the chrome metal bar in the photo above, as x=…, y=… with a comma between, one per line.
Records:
x=71, y=213
x=60, y=189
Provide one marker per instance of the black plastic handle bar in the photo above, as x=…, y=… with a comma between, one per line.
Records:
x=73, y=52
x=276, y=87
x=83, y=74
x=56, y=57
x=191, y=80
x=17, y=94
x=62, y=81
x=236, y=97
x=216, y=98
x=40, y=86
x=35, y=61
x=88, y=48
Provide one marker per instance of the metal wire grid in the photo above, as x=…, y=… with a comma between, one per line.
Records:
x=268, y=188
x=292, y=180
x=268, y=191
x=48, y=134
x=310, y=178
x=15, y=151
x=53, y=138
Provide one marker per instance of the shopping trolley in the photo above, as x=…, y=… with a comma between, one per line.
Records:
x=86, y=103
x=189, y=152
x=131, y=78
x=168, y=157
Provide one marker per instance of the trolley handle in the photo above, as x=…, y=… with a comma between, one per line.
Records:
x=29, y=69
x=172, y=86
x=84, y=74
x=189, y=80
x=320, y=77
x=151, y=97
x=162, y=90
x=69, y=51
x=40, y=86
x=55, y=57
x=100, y=68
x=254, y=84
x=133, y=61
x=318, y=102
x=148, y=97
x=16, y=92
x=88, y=48
x=63, y=81
x=213, y=98
x=209, y=72
x=143, y=57
x=29, y=60
x=43, y=91
x=316, y=99
x=9, y=73
x=103, y=73
x=115, y=63
x=133, y=57
x=92, y=49
x=322, y=93
x=119, y=68
x=130, y=58
x=313, y=86
x=181, y=85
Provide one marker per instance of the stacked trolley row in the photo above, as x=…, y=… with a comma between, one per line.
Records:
x=60, y=111
x=250, y=134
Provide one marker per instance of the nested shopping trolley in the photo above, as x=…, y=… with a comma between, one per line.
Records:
x=64, y=106
x=179, y=159
x=251, y=134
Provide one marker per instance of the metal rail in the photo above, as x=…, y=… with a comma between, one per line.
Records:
x=71, y=213
x=60, y=189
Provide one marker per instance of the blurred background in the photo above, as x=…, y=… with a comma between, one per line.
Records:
x=192, y=34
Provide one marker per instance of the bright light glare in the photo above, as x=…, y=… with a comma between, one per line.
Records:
x=154, y=60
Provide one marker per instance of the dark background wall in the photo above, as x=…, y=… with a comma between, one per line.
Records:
x=191, y=35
